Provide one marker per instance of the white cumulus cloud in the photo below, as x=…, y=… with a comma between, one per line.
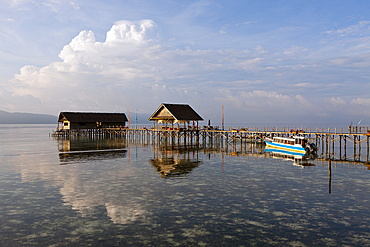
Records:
x=132, y=69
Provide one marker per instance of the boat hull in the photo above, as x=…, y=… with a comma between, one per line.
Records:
x=295, y=155
x=286, y=147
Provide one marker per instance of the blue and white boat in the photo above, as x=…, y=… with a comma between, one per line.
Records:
x=296, y=144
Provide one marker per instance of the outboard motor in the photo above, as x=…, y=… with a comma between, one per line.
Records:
x=311, y=147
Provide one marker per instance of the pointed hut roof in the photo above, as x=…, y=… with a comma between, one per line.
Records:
x=177, y=112
x=92, y=117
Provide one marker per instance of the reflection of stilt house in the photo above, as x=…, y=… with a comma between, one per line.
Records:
x=90, y=120
x=175, y=161
x=170, y=114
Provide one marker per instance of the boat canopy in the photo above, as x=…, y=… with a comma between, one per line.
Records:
x=290, y=140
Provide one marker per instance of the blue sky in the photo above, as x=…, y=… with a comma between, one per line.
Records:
x=265, y=61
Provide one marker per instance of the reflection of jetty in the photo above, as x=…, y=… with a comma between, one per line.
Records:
x=173, y=159
x=89, y=156
x=86, y=149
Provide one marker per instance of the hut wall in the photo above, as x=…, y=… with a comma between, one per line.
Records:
x=113, y=125
x=95, y=125
x=83, y=126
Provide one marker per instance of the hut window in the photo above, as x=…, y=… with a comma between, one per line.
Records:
x=65, y=123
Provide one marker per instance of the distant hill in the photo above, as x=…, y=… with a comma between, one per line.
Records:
x=30, y=118
x=26, y=118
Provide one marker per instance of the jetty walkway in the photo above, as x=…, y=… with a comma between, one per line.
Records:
x=325, y=139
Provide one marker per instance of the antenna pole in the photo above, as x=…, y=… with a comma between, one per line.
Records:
x=222, y=117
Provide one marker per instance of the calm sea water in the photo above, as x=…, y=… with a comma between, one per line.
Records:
x=114, y=192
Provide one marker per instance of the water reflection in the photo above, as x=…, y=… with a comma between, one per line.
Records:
x=298, y=159
x=175, y=161
x=84, y=149
x=86, y=156
x=97, y=181
x=256, y=200
x=126, y=190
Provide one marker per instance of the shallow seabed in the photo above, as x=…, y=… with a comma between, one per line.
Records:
x=99, y=192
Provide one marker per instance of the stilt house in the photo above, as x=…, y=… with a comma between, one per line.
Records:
x=175, y=113
x=90, y=120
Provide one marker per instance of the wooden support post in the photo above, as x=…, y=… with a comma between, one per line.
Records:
x=354, y=146
x=227, y=138
x=367, y=156
x=359, y=147
x=340, y=147
x=322, y=144
x=328, y=144
x=333, y=146
x=329, y=166
x=241, y=141
x=345, y=147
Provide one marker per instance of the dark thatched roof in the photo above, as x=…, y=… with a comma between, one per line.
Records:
x=180, y=112
x=92, y=117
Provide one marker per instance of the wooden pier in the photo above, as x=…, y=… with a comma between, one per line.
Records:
x=338, y=144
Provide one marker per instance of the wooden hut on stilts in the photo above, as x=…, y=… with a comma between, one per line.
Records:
x=170, y=114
